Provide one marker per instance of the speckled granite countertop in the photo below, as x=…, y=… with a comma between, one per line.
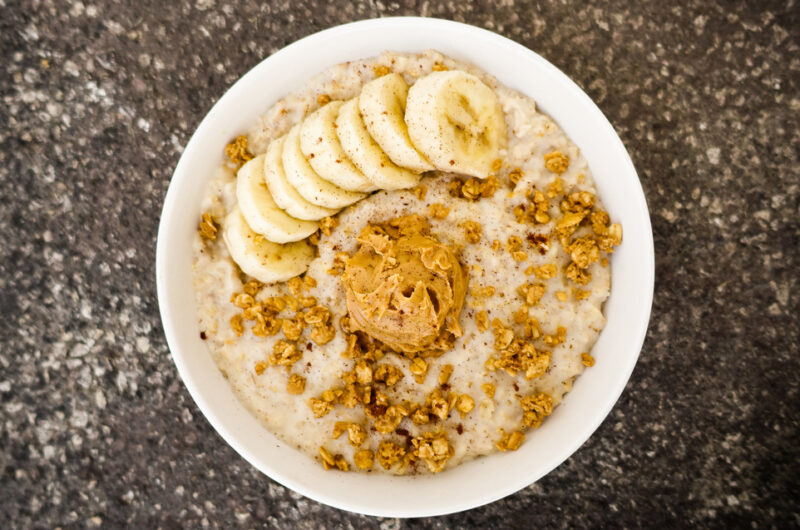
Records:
x=97, y=102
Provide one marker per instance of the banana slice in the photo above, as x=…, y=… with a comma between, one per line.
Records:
x=366, y=154
x=455, y=120
x=284, y=194
x=305, y=180
x=260, y=210
x=383, y=105
x=321, y=146
x=264, y=260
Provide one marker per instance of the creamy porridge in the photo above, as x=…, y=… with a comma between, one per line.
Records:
x=503, y=280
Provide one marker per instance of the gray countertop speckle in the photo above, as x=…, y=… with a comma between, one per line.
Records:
x=97, y=102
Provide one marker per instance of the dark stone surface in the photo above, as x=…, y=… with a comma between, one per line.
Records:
x=97, y=102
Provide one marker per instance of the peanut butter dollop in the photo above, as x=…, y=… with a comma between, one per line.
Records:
x=404, y=287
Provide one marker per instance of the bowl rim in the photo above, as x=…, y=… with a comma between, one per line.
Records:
x=181, y=360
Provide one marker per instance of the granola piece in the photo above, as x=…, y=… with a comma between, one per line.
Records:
x=561, y=296
x=253, y=312
x=439, y=210
x=532, y=329
x=364, y=459
x=433, y=449
x=515, y=175
x=529, y=270
x=578, y=275
x=391, y=419
x=260, y=367
x=237, y=151
x=293, y=327
x=237, y=325
x=437, y=405
x=307, y=301
x=266, y=325
x=327, y=458
x=497, y=165
x=420, y=192
x=419, y=369
x=535, y=408
x=330, y=461
x=252, y=287
x=420, y=415
x=389, y=453
x=489, y=389
x=208, y=228
x=514, y=243
x=295, y=286
x=331, y=395
x=613, y=236
x=322, y=334
x=587, y=359
x=284, y=353
x=583, y=251
x=344, y=324
x=532, y=293
x=558, y=338
x=356, y=434
x=496, y=245
x=323, y=99
x=519, y=255
x=578, y=202
x=539, y=213
x=482, y=321
x=327, y=224
x=296, y=384
x=350, y=397
x=471, y=189
x=339, y=262
x=555, y=188
x=545, y=272
x=242, y=300
x=556, y=161
x=502, y=335
x=444, y=373
x=439, y=67
x=339, y=428
x=465, y=404
x=388, y=374
x=472, y=232
x=340, y=463
x=363, y=372
x=488, y=187
x=320, y=407
x=511, y=442
x=317, y=315
x=581, y=294
x=274, y=304
x=520, y=356
x=520, y=316
x=483, y=292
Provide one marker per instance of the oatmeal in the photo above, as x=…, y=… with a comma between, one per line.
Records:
x=409, y=329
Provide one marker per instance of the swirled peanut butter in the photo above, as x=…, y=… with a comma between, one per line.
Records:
x=404, y=287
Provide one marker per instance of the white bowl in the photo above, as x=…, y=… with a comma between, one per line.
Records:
x=482, y=480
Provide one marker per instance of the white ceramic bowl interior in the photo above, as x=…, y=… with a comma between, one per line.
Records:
x=482, y=480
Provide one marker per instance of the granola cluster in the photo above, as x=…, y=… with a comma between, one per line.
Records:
x=473, y=188
x=237, y=151
x=367, y=386
x=290, y=315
